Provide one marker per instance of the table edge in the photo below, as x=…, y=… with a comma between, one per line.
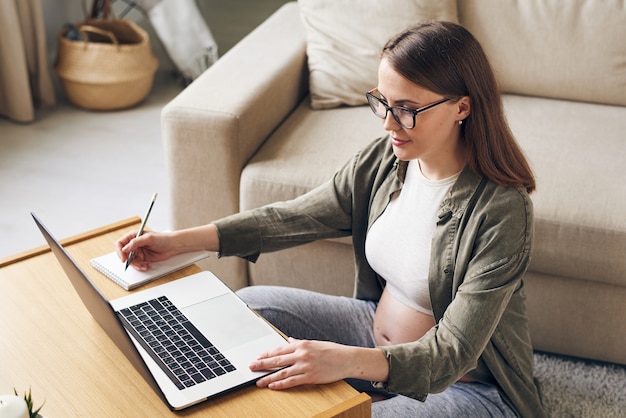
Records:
x=12, y=259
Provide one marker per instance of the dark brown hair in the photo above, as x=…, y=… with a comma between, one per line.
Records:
x=445, y=58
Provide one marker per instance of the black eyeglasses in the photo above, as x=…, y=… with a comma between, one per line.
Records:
x=403, y=115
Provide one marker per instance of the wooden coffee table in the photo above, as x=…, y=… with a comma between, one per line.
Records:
x=50, y=343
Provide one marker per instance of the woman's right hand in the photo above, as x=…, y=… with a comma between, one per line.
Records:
x=159, y=246
x=148, y=248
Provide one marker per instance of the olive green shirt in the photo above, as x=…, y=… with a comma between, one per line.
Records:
x=480, y=251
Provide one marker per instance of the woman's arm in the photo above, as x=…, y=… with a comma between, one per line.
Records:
x=157, y=246
x=335, y=209
x=317, y=362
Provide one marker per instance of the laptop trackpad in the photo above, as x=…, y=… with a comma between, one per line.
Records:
x=226, y=322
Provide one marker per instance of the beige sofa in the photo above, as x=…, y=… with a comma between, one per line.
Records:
x=244, y=134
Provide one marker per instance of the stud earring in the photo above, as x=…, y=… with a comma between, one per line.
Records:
x=461, y=122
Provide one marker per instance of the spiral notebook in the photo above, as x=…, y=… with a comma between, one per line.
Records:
x=111, y=266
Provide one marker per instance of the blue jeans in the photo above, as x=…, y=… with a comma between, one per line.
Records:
x=309, y=315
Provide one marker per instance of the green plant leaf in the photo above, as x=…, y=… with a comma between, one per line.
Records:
x=29, y=403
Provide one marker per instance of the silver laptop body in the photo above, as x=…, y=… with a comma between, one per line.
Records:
x=198, y=344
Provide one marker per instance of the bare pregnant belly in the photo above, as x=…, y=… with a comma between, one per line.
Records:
x=396, y=323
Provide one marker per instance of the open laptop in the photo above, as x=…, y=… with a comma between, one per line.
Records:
x=190, y=339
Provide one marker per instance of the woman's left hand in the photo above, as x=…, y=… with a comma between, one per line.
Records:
x=303, y=362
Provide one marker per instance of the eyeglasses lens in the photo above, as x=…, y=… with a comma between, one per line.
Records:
x=377, y=106
x=402, y=116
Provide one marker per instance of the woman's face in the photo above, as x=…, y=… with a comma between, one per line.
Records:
x=435, y=139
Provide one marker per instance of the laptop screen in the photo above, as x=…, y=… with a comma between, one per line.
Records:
x=99, y=307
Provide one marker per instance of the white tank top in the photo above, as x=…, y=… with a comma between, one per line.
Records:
x=398, y=243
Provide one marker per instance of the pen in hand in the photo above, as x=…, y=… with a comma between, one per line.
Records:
x=140, y=232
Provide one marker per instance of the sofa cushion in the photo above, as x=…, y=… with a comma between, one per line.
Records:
x=580, y=226
x=305, y=151
x=345, y=38
x=577, y=152
x=552, y=48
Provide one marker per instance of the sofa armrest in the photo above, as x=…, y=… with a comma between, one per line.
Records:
x=214, y=126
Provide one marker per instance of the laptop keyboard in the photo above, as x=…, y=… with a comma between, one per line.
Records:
x=184, y=354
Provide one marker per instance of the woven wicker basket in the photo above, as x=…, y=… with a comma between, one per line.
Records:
x=111, y=68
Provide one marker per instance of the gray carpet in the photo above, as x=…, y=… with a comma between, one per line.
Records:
x=576, y=388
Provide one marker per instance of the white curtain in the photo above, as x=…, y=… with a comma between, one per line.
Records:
x=25, y=81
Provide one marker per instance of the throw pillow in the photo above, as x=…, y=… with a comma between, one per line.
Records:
x=573, y=50
x=345, y=38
